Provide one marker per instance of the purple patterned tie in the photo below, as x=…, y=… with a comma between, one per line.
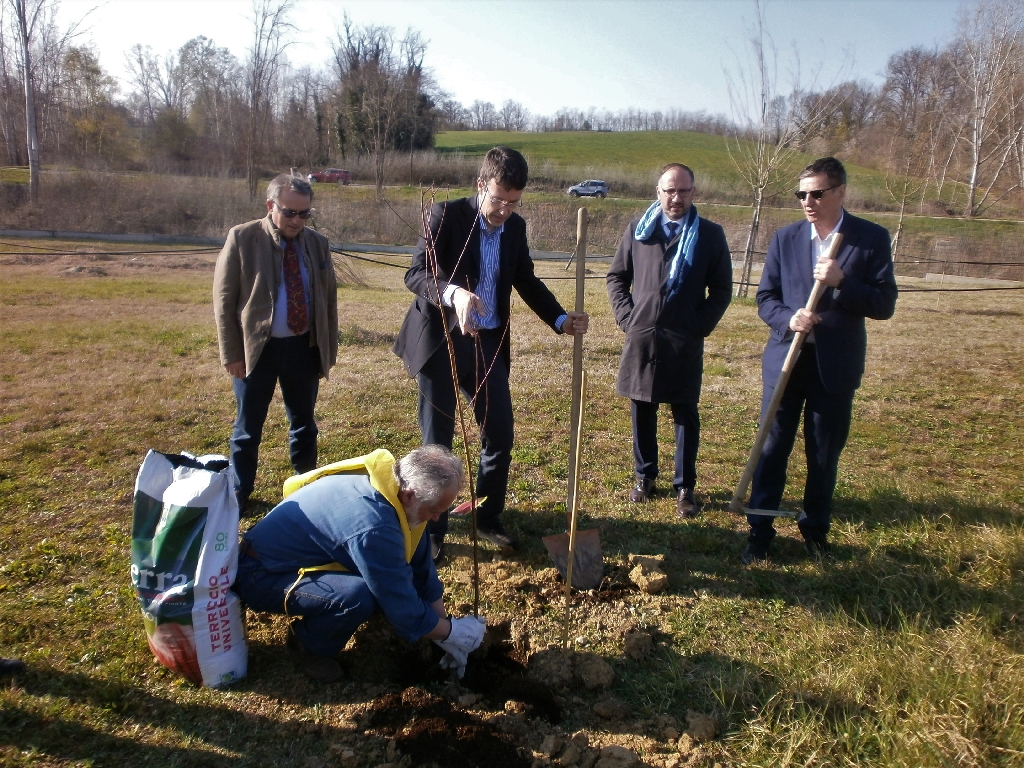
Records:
x=297, y=317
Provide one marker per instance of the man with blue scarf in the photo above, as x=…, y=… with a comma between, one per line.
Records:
x=669, y=285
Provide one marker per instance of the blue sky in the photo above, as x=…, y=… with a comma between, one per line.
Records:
x=547, y=54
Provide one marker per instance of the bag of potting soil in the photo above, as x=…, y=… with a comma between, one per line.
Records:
x=184, y=560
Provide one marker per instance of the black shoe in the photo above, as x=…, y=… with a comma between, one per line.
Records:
x=642, y=491
x=437, y=547
x=756, y=551
x=818, y=549
x=685, y=504
x=243, y=501
x=320, y=668
x=11, y=667
x=497, y=536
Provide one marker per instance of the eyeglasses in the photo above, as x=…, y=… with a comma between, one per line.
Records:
x=512, y=204
x=672, y=192
x=288, y=213
x=802, y=194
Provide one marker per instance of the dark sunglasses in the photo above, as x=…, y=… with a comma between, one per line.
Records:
x=815, y=193
x=288, y=213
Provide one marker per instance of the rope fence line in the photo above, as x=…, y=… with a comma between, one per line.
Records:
x=404, y=266
x=202, y=249
x=62, y=252
x=903, y=289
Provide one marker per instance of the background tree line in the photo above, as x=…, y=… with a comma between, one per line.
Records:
x=202, y=110
x=946, y=124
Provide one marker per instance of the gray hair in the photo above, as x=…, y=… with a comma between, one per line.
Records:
x=286, y=181
x=431, y=472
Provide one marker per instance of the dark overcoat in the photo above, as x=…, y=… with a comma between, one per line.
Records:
x=663, y=357
x=455, y=237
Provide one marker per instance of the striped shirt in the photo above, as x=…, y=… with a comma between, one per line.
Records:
x=487, y=287
x=490, y=266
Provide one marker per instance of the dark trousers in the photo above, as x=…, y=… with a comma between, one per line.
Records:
x=826, y=426
x=296, y=365
x=483, y=374
x=645, y=441
x=332, y=605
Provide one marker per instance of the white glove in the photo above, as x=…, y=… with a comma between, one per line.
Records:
x=465, y=637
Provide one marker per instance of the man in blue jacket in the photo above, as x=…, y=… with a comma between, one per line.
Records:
x=348, y=541
x=861, y=283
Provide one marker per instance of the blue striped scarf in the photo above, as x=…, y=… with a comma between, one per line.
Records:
x=686, y=245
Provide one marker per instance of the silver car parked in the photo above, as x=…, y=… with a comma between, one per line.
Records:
x=589, y=188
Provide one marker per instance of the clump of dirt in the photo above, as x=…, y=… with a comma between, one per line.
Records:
x=647, y=573
x=702, y=727
x=561, y=667
x=638, y=644
x=430, y=730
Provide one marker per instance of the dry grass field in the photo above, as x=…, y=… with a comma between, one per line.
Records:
x=208, y=206
x=906, y=650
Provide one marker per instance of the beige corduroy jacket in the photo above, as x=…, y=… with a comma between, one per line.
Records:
x=246, y=280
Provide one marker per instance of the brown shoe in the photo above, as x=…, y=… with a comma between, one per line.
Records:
x=323, y=669
x=685, y=504
x=642, y=491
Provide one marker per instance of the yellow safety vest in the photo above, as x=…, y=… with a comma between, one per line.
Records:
x=378, y=466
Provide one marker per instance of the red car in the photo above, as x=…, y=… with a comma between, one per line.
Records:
x=330, y=176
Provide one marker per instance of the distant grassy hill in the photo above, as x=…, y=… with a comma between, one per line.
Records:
x=629, y=160
x=637, y=151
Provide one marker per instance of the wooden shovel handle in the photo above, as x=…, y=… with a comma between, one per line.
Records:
x=574, y=484
x=577, y=362
x=736, y=505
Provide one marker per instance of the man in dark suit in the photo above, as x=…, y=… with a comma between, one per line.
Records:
x=861, y=284
x=465, y=267
x=669, y=285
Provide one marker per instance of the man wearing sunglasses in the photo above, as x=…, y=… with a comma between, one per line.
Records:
x=669, y=285
x=861, y=283
x=275, y=300
x=466, y=265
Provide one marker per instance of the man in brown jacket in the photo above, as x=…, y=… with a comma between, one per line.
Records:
x=669, y=285
x=275, y=299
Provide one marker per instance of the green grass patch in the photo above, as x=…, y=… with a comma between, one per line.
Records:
x=635, y=151
x=906, y=650
x=13, y=175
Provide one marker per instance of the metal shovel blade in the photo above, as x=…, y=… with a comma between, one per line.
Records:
x=588, y=563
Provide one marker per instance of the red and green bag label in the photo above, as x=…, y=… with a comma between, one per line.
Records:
x=184, y=560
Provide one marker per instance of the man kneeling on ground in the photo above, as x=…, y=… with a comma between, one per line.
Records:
x=348, y=540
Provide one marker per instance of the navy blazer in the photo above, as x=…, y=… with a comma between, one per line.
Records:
x=455, y=235
x=868, y=290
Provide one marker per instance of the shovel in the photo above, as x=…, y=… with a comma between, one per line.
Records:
x=736, y=505
x=577, y=554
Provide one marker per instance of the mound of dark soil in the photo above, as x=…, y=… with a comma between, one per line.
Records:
x=431, y=731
